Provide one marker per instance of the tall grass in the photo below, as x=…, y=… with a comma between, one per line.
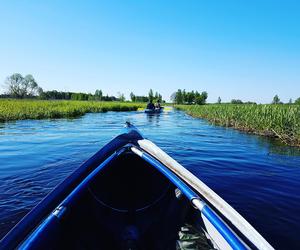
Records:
x=11, y=109
x=281, y=121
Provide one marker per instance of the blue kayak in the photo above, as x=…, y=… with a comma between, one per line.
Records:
x=154, y=111
x=132, y=195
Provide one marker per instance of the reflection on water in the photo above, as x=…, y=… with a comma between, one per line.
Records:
x=279, y=149
x=153, y=118
x=260, y=178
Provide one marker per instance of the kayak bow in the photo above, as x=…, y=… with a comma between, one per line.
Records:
x=132, y=195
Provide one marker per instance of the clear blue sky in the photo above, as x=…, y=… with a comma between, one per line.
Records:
x=233, y=49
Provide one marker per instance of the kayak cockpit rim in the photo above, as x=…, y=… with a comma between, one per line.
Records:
x=229, y=240
x=50, y=221
x=222, y=207
x=224, y=237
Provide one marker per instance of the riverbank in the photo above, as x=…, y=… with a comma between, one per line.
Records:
x=11, y=109
x=277, y=121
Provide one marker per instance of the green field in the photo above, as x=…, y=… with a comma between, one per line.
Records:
x=11, y=109
x=280, y=121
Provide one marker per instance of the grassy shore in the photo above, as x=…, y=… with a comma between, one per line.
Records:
x=279, y=121
x=11, y=109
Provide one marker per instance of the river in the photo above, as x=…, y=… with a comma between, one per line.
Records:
x=258, y=177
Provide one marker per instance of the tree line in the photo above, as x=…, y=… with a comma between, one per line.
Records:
x=192, y=97
x=21, y=87
x=18, y=86
x=61, y=95
x=276, y=100
x=151, y=97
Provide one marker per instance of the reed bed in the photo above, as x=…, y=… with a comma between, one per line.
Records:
x=11, y=109
x=279, y=121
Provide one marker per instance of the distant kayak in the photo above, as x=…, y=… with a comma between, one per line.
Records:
x=154, y=111
x=132, y=195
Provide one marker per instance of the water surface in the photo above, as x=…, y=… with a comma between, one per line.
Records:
x=256, y=176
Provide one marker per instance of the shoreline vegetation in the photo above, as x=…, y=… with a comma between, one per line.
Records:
x=271, y=120
x=16, y=109
x=275, y=121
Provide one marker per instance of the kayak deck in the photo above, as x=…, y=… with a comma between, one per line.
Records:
x=127, y=205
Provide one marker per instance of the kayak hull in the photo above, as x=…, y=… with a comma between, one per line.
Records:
x=154, y=111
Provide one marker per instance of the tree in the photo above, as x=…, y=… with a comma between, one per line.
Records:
x=98, y=94
x=132, y=97
x=276, y=99
x=297, y=101
x=141, y=98
x=79, y=96
x=91, y=97
x=290, y=101
x=184, y=96
x=190, y=97
x=31, y=86
x=219, y=100
x=160, y=97
x=74, y=96
x=54, y=95
x=204, y=95
x=179, y=97
x=249, y=102
x=200, y=99
x=236, y=101
x=121, y=97
x=150, y=95
x=20, y=87
x=173, y=97
x=13, y=84
x=40, y=91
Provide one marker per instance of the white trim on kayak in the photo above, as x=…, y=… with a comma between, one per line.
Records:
x=221, y=205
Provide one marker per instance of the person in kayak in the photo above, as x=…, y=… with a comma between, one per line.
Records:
x=157, y=104
x=150, y=105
